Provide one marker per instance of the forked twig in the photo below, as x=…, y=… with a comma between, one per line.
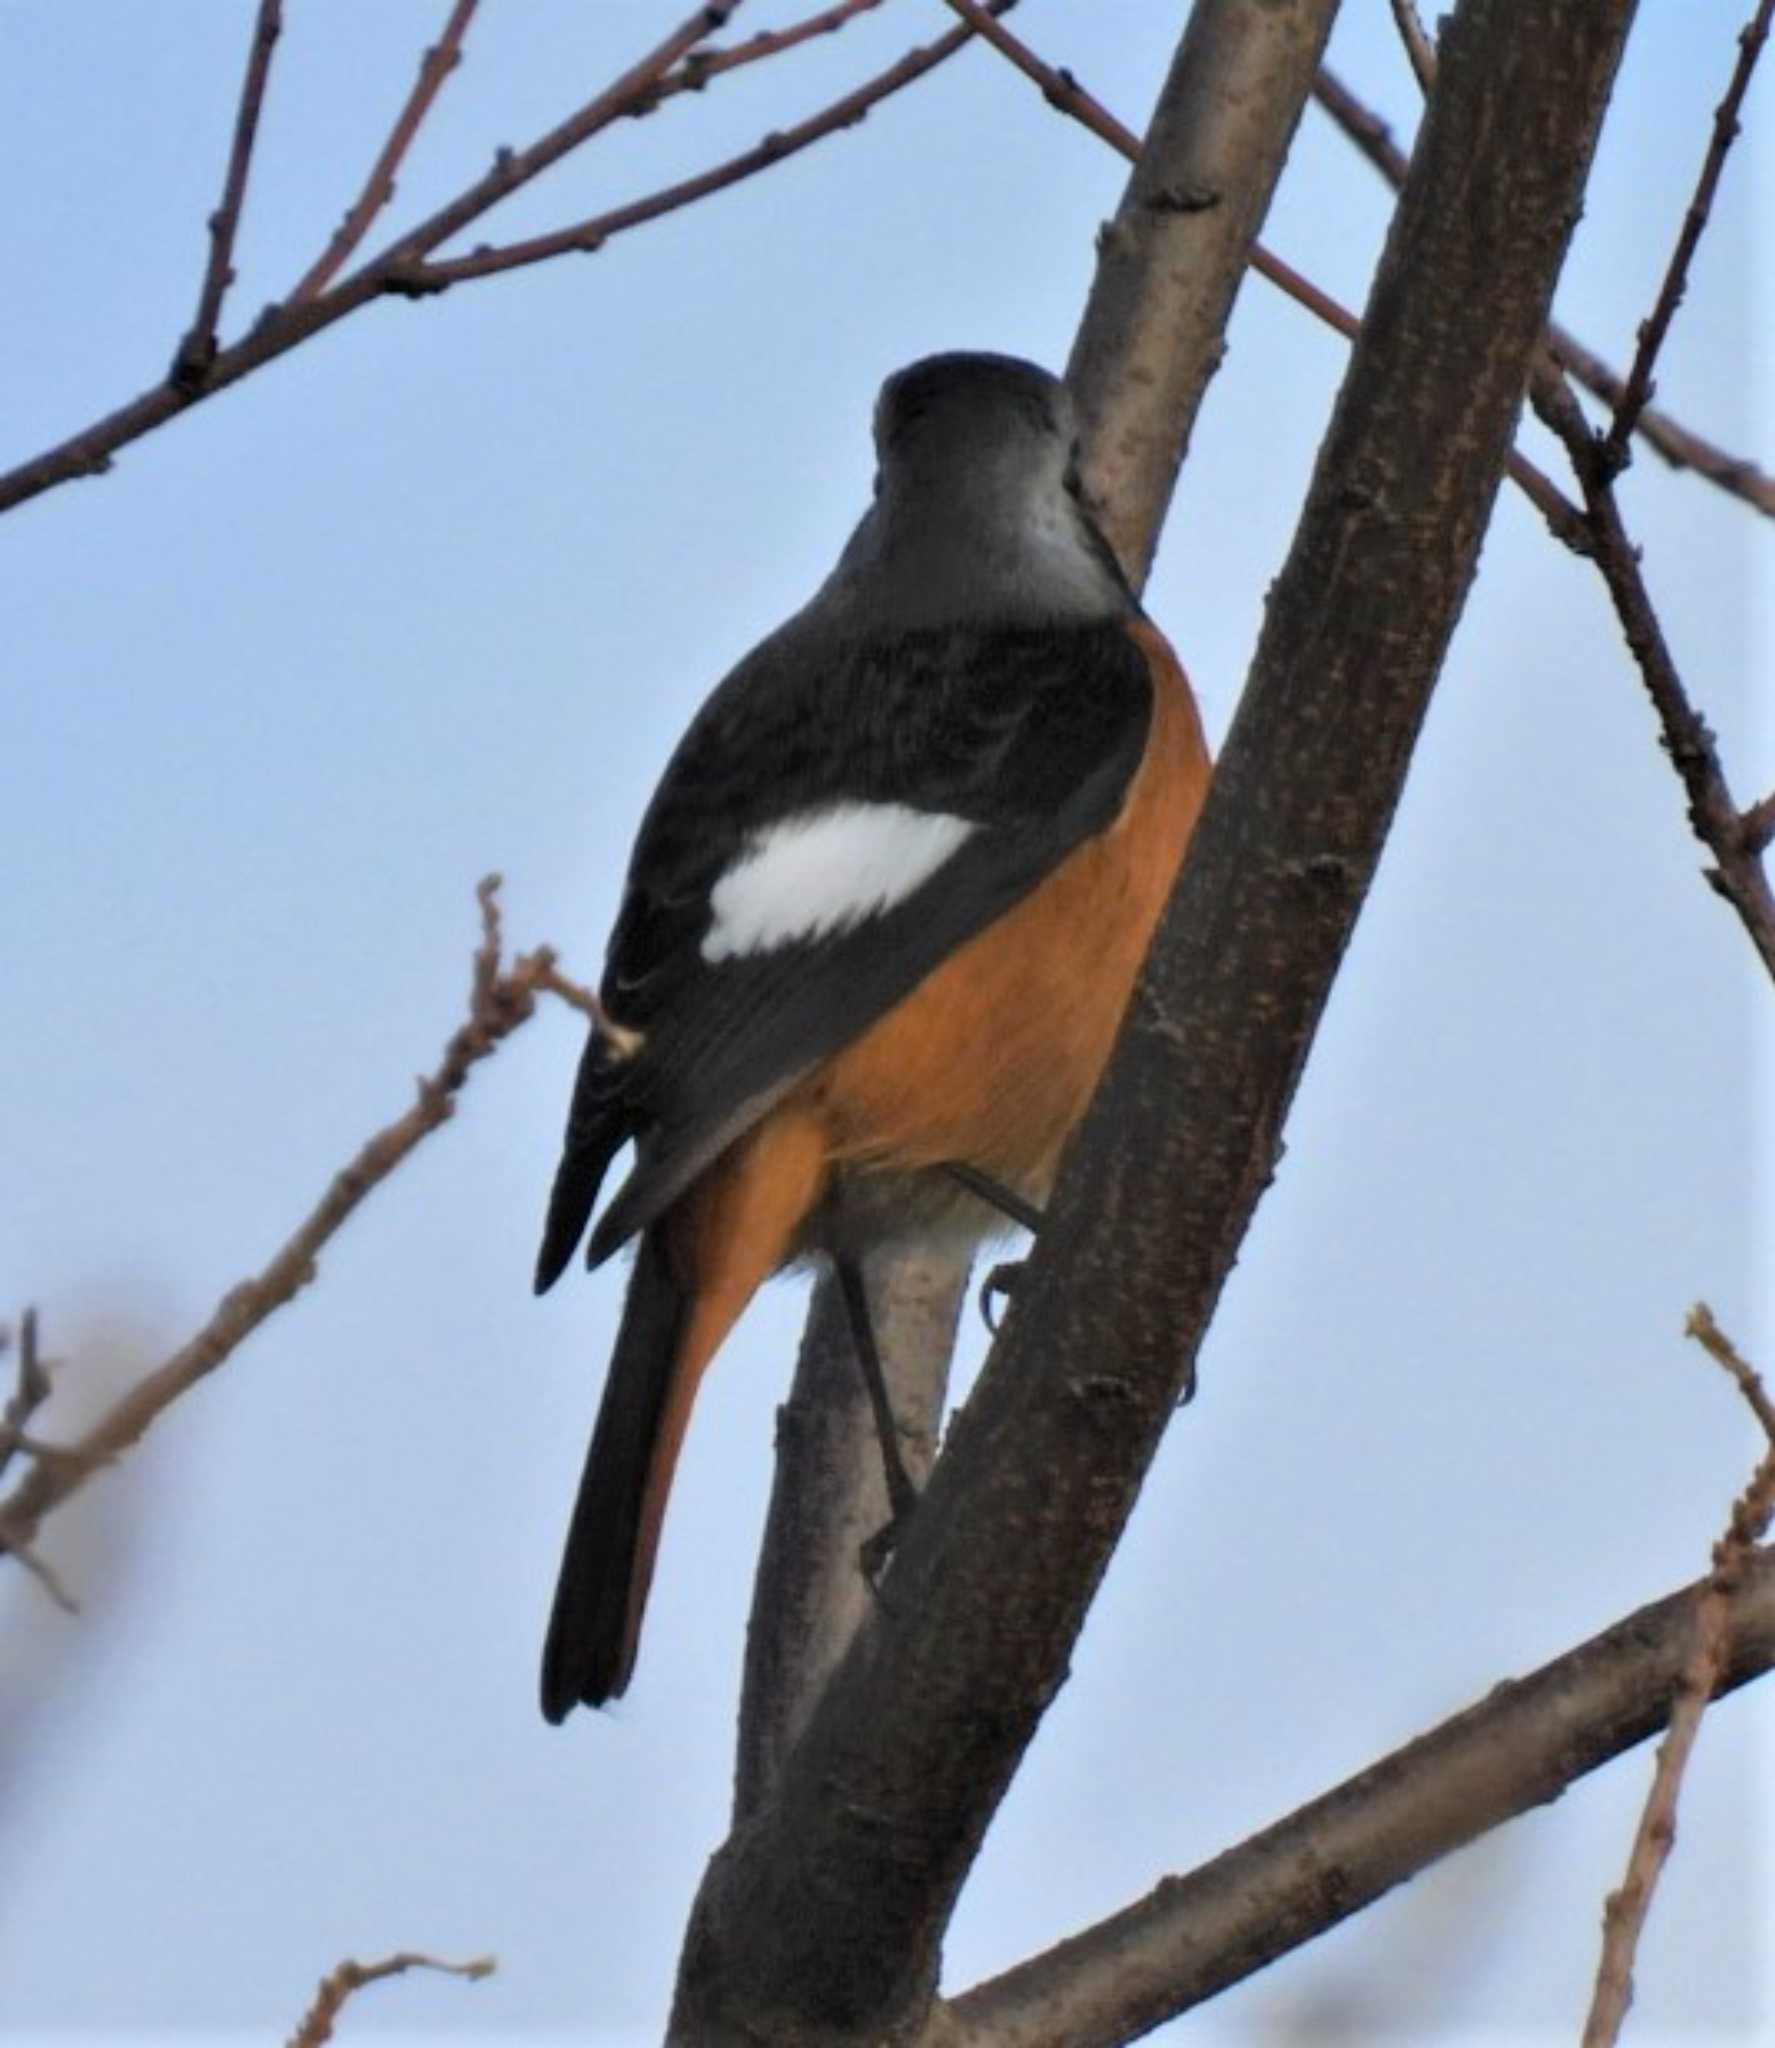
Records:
x=435, y=66
x=1677, y=445
x=406, y=266
x=588, y=236
x=1624, y=1915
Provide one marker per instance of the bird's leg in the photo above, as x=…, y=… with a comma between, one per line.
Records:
x=995, y=1194
x=902, y=1494
x=1003, y=1277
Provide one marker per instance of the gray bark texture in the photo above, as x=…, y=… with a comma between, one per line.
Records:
x=822, y=1917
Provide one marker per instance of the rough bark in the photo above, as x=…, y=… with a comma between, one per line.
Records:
x=1148, y=344
x=1520, y=1747
x=823, y=1917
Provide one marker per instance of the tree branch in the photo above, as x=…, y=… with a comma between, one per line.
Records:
x=338, y=1984
x=1063, y=91
x=586, y=237
x=1701, y=1680
x=1734, y=838
x=1518, y=1748
x=197, y=349
x=435, y=65
x=1614, y=452
x=30, y=1387
x=702, y=65
x=822, y=1918
x=1233, y=96
x=500, y=1000
x=402, y=269
x=1680, y=447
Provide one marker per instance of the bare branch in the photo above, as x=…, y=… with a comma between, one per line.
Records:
x=1614, y=453
x=1624, y=1916
x=826, y=1911
x=501, y=999
x=435, y=65
x=30, y=1387
x=1731, y=837
x=1518, y=1748
x=588, y=236
x=402, y=268
x=1419, y=50
x=702, y=65
x=1678, y=446
x=15, y=1544
x=199, y=345
x=338, y=1985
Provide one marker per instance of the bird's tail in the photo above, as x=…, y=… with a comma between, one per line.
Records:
x=694, y=1272
x=608, y=1562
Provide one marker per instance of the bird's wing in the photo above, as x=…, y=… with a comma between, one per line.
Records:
x=839, y=818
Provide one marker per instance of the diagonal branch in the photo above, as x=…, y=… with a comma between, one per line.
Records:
x=197, y=349
x=1700, y=1681
x=435, y=66
x=702, y=65
x=501, y=999
x=588, y=236
x=1678, y=446
x=1735, y=838
x=1752, y=37
x=401, y=268
x=1520, y=1747
x=824, y=1914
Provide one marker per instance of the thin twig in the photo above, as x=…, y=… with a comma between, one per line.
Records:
x=588, y=236
x=1624, y=1915
x=400, y=268
x=1420, y=52
x=30, y=1387
x=1702, y=1328
x=702, y=65
x=13, y=1543
x=1752, y=37
x=1759, y=825
x=197, y=350
x=1677, y=445
x=1064, y=92
x=435, y=65
x=1730, y=835
x=338, y=1985
x=501, y=999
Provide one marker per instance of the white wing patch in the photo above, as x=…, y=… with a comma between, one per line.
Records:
x=820, y=872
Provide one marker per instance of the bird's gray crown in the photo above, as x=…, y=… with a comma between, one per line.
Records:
x=976, y=514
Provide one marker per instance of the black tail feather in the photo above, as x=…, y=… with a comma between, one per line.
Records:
x=599, y=1124
x=589, y=1651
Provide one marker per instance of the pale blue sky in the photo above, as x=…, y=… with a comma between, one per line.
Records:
x=435, y=595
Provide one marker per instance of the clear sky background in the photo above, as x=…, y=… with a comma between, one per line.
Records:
x=434, y=596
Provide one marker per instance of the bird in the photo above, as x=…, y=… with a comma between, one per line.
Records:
x=883, y=916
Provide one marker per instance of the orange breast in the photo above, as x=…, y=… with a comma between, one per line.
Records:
x=994, y=1056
